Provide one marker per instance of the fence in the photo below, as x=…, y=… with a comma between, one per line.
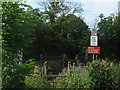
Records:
x=54, y=64
x=71, y=66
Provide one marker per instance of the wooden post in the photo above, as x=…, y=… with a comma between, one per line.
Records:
x=76, y=58
x=69, y=66
x=45, y=68
x=73, y=66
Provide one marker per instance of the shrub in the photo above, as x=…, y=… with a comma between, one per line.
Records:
x=74, y=80
x=96, y=74
x=13, y=76
x=36, y=80
x=104, y=74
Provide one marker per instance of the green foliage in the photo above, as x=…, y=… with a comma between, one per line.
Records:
x=53, y=10
x=74, y=80
x=104, y=74
x=36, y=80
x=18, y=22
x=33, y=32
x=109, y=36
x=30, y=32
x=96, y=74
x=60, y=30
x=74, y=32
x=13, y=75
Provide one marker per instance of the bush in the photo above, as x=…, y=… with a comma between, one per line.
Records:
x=96, y=74
x=13, y=75
x=36, y=80
x=104, y=74
x=74, y=80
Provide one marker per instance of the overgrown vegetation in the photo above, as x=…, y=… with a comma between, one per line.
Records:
x=56, y=30
x=96, y=74
x=36, y=80
x=13, y=74
x=104, y=74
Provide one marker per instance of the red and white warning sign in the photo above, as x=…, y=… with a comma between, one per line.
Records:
x=93, y=50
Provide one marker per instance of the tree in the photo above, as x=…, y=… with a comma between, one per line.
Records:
x=15, y=31
x=109, y=36
x=53, y=10
x=73, y=31
x=47, y=35
x=19, y=21
x=61, y=30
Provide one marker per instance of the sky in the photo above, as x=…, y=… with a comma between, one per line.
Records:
x=92, y=9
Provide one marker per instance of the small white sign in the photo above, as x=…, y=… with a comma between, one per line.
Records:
x=93, y=40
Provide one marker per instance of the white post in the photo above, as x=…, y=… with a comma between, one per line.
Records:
x=93, y=56
x=69, y=66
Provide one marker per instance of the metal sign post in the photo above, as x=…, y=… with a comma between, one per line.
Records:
x=93, y=56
